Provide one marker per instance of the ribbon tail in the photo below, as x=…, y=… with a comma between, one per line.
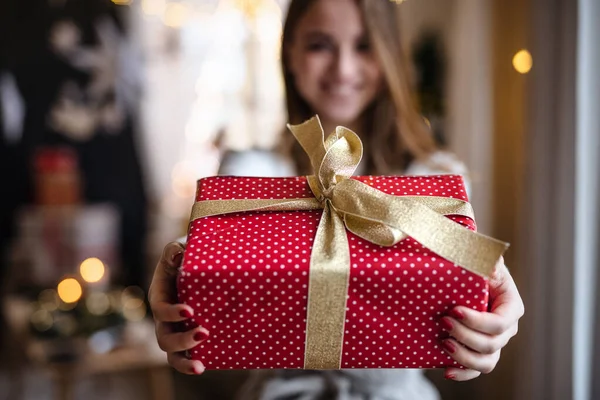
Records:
x=374, y=232
x=328, y=289
x=471, y=250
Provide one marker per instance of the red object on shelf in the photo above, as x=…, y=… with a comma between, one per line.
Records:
x=57, y=178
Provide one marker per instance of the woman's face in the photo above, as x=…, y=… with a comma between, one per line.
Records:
x=332, y=62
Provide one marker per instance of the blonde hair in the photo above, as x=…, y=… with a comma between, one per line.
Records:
x=395, y=131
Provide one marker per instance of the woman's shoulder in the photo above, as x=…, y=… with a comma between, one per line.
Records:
x=441, y=162
x=256, y=162
x=437, y=163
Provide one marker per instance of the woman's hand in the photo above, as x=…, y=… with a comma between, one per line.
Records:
x=163, y=297
x=477, y=337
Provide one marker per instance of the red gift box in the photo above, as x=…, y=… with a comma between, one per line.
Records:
x=246, y=275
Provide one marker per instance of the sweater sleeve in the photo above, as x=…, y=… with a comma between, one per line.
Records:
x=440, y=163
x=256, y=163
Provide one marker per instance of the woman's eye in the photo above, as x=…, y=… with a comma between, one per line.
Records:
x=317, y=46
x=363, y=47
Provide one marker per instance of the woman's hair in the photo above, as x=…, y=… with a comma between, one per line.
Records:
x=395, y=131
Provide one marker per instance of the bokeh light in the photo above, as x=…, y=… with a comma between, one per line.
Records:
x=176, y=14
x=69, y=290
x=153, y=7
x=91, y=270
x=98, y=303
x=522, y=62
x=132, y=299
x=49, y=300
x=65, y=324
x=42, y=320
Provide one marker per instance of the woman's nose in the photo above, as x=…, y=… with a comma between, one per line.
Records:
x=346, y=65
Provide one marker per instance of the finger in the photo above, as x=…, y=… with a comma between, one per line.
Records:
x=166, y=312
x=507, y=307
x=461, y=375
x=163, y=285
x=171, y=342
x=185, y=365
x=475, y=340
x=484, y=363
x=504, y=295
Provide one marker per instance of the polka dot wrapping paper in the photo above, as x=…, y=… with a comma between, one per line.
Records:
x=246, y=277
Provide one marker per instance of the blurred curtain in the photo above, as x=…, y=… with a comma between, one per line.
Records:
x=547, y=217
x=587, y=278
x=560, y=219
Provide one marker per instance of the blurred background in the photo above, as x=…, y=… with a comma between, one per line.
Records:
x=111, y=110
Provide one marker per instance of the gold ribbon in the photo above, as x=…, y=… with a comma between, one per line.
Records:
x=370, y=214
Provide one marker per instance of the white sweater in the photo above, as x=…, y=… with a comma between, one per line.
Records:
x=348, y=384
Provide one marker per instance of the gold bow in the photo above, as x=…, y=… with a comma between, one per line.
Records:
x=370, y=214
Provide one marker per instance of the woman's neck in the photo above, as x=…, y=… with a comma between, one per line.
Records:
x=356, y=126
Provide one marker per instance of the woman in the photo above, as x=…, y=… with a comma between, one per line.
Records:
x=342, y=60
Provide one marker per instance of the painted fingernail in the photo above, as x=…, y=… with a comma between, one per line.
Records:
x=185, y=314
x=456, y=313
x=446, y=324
x=200, y=336
x=449, y=346
x=450, y=376
x=197, y=370
x=175, y=257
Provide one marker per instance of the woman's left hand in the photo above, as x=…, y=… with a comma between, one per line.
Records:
x=477, y=337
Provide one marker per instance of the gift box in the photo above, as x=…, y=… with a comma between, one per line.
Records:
x=275, y=291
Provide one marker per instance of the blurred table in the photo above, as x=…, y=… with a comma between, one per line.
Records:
x=139, y=351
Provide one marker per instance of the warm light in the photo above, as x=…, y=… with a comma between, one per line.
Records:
x=92, y=270
x=176, y=14
x=134, y=310
x=522, y=61
x=69, y=290
x=122, y=2
x=65, y=324
x=183, y=180
x=132, y=292
x=42, y=320
x=132, y=299
x=153, y=7
x=48, y=300
x=98, y=303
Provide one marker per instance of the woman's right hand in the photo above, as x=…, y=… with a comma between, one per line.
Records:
x=163, y=302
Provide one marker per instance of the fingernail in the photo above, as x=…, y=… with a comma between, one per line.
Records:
x=200, y=336
x=197, y=370
x=459, y=315
x=448, y=346
x=450, y=376
x=185, y=314
x=176, y=256
x=446, y=324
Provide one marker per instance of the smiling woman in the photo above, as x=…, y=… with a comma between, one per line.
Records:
x=343, y=60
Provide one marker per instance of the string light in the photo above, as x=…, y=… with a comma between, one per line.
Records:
x=42, y=320
x=48, y=300
x=522, y=62
x=98, y=303
x=153, y=7
x=69, y=290
x=176, y=14
x=91, y=270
